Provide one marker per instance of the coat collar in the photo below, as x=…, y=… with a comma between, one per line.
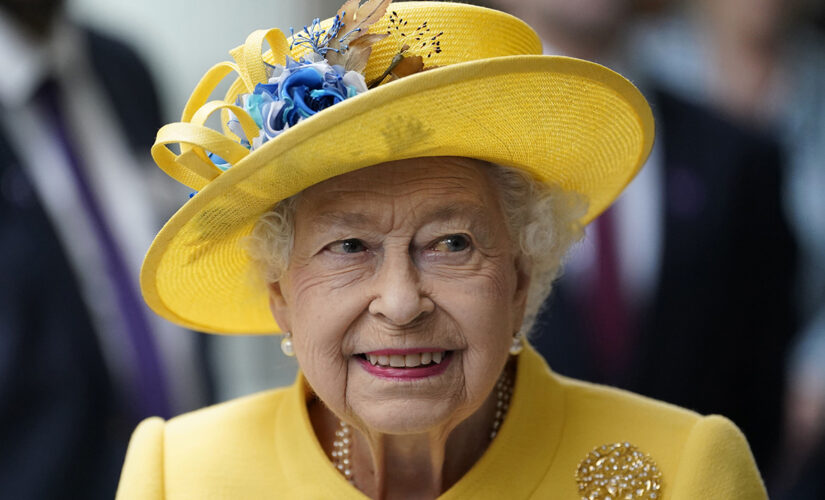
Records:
x=536, y=415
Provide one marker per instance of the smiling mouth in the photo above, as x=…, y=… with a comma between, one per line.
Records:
x=408, y=360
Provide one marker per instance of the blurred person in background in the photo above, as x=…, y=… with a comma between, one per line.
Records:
x=78, y=113
x=689, y=272
x=763, y=63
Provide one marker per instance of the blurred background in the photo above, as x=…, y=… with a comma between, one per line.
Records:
x=181, y=39
x=703, y=286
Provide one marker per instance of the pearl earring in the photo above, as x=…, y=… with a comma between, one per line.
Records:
x=286, y=345
x=517, y=346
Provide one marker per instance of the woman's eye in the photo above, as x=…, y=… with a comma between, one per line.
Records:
x=452, y=243
x=351, y=245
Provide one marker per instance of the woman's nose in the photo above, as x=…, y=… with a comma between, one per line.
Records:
x=399, y=298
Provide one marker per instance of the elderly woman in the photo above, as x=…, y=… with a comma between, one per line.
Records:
x=394, y=190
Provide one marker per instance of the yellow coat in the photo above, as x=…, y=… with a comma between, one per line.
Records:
x=263, y=446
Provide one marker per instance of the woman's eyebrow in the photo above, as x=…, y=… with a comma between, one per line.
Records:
x=477, y=216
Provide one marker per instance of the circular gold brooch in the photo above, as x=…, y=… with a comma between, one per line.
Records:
x=618, y=471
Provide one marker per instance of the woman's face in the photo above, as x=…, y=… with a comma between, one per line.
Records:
x=394, y=266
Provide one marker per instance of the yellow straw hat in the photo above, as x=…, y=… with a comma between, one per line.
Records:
x=486, y=93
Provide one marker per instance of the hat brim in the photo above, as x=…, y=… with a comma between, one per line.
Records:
x=565, y=121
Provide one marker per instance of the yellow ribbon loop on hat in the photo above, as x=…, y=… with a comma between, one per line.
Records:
x=202, y=171
x=250, y=128
x=195, y=157
x=250, y=59
x=192, y=167
x=237, y=88
x=205, y=87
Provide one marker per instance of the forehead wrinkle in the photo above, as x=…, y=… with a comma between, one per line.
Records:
x=339, y=218
x=391, y=197
x=473, y=214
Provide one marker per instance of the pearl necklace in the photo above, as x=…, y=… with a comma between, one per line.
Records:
x=342, y=445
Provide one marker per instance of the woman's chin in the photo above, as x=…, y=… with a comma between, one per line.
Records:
x=404, y=416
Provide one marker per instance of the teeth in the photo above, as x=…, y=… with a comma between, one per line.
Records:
x=406, y=361
x=412, y=360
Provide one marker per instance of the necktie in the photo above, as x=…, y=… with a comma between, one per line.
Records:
x=610, y=319
x=150, y=383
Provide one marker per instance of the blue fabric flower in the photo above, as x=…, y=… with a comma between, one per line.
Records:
x=304, y=93
x=293, y=92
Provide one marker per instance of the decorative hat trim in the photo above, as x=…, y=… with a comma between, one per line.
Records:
x=322, y=66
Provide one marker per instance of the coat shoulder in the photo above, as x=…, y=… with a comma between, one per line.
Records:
x=717, y=463
x=698, y=456
x=173, y=456
x=595, y=399
x=238, y=415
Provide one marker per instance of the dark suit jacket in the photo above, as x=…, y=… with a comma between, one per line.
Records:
x=63, y=431
x=809, y=485
x=714, y=336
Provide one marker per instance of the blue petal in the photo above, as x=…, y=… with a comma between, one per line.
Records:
x=218, y=161
x=269, y=88
x=253, y=107
x=334, y=93
x=306, y=77
x=287, y=116
x=298, y=95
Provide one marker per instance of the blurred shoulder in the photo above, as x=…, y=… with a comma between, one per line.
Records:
x=127, y=81
x=692, y=129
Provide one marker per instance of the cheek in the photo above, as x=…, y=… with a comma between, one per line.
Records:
x=322, y=316
x=325, y=371
x=481, y=300
x=322, y=307
x=482, y=307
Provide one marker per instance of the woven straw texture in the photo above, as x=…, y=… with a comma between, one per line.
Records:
x=566, y=121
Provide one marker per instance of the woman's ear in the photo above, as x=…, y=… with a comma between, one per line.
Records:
x=279, y=306
x=522, y=287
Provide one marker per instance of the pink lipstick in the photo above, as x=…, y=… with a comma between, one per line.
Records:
x=405, y=364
